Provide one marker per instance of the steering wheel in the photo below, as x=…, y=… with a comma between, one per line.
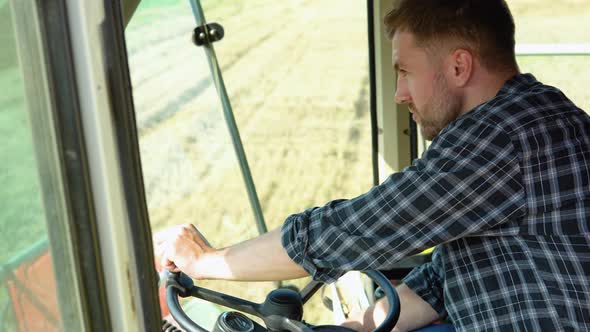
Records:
x=281, y=311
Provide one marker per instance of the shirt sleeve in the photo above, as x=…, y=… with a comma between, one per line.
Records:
x=467, y=182
x=426, y=281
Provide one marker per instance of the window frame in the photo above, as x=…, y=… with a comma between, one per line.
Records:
x=78, y=93
x=394, y=132
x=52, y=102
x=107, y=116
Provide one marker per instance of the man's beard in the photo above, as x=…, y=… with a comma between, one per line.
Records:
x=444, y=107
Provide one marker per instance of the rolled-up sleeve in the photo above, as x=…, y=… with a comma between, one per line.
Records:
x=295, y=241
x=466, y=182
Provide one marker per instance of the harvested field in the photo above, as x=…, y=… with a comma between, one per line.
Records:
x=297, y=76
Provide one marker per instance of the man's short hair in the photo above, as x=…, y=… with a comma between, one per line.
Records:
x=485, y=27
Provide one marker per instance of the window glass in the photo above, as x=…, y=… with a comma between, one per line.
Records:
x=556, y=22
x=297, y=77
x=28, y=297
x=548, y=21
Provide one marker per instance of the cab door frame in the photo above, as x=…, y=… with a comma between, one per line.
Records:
x=393, y=131
x=74, y=64
x=108, y=121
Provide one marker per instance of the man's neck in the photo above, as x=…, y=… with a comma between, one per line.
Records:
x=484, y=87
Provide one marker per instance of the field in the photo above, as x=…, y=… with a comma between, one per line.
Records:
x=297, y=76
x=306, y=136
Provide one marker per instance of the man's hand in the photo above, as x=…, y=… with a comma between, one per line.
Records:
x=182, y=248
x=415, y=313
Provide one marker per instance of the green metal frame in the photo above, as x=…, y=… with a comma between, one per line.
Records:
x=229, y=117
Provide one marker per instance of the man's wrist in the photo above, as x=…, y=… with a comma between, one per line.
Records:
x=212, y=265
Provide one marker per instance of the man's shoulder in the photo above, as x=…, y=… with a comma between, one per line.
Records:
x=526, y=105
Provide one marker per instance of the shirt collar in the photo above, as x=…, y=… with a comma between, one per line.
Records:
x=518, y=83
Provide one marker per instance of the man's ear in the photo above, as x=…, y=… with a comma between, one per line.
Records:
x=461, y=66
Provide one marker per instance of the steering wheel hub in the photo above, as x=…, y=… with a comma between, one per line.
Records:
x=283, y=302
x=232, y=321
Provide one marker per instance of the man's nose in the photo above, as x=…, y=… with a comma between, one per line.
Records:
x=402, y=95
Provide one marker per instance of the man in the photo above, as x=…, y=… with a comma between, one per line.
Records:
x=502, y=193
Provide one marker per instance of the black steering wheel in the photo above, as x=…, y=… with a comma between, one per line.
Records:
x=281, y=311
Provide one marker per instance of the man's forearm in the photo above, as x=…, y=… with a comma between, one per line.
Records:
x=260, y=259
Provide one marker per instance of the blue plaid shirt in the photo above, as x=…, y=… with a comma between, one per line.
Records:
x=503, y=193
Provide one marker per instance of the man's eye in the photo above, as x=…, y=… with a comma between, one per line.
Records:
x=402, y=72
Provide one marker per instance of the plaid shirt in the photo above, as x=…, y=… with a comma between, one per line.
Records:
x=503, y=193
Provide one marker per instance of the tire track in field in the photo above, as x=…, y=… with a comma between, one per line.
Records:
x=185, y=96
x=152, y=111
x=209, y=153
